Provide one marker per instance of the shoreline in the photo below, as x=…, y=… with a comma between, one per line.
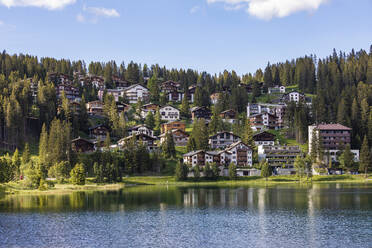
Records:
x=11, y=188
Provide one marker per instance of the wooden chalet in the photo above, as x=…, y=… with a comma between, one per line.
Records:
x=180, y=137
x=81, y=145
x=99, y=132
x=229, y=116
x=200, y=113
x=145, y=139
x=264, y=138
x=173, y=125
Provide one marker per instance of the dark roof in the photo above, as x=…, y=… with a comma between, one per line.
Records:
x=218, y=133
x=79, y=138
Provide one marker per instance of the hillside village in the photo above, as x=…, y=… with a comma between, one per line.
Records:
x=134, y=120
x=224, y=147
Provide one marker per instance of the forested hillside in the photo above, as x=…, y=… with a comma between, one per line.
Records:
x=340, y=84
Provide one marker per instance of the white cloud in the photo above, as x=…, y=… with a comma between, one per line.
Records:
x=194, y=9
x=48, y=4
x=99, y=11
x=268, y=9
x=80, y=18
x=1, y=23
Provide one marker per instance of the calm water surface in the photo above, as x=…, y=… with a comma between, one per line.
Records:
x=324, y=215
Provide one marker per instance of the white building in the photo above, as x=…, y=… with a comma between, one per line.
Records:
x=169, y=113
x=222, y=139
x=136, y=92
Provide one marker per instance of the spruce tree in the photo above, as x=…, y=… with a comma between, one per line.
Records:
x=266, y=170
x=347, y=158
x=365, y=158
x=185, y=108
x=26, y=154
x=248, y=134
x=157, y=122
x=77, y=174
x=150, y=121
x=181, y=171
x=43, y=145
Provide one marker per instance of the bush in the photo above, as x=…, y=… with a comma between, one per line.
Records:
x=78, y=174
x=59, y=171
x=266, y=170
x=232, y=171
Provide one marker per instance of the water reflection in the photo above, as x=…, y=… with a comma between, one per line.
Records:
x=305, y=198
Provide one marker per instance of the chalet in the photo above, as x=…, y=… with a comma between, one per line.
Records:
x=180, y=137
x=59, y=78
x=172, y=126
x=275, y=109
x=215, y=97
x=276, y=90
x=72, y=93
x=122, y=107
x=263, y=121
x=81, y=145
x=95, y=108
x=147, y=140
x=293, y=96
x=264, y=138
x=120, y=83
x=97, y=82
x=98, y=132
x=200, y=113
x=140, y=129
x=118, y=94
x=169, y=113
x=241, y=154
x=238, y=153
x=147, y=108
x=137, y=92
x=172, y=90
x=229, y=116
x=222, y=139
x=194, y=158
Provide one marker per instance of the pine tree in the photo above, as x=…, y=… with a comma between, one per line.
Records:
x=154, y=89
x=107, y=143
x=168, y=146
x=185, y=108
x=16, y=162
x=150, y=121
x=299, y=165
x=26, y=154
x=346, y=159
x=181, y=171
x=157, y=122
x=43, y=145
x=196, y=172
x=365, y=158
x=248, y=135
x=266, y=170
x=314, y=146
x=83, y=116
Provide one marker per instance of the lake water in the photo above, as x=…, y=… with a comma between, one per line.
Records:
x=320, y=215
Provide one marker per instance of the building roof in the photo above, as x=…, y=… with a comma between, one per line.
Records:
x=79, y=138
x=173, y=131
x=218, y=133
x=264, y=133
x=135, y=85
x=192, y=153
x=169, y=106
x=235, y=144
x=332, y=127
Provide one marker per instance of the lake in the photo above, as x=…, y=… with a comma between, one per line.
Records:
x=318, y=215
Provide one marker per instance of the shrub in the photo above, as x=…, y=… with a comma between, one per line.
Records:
x=78, y=174
x=232, y=171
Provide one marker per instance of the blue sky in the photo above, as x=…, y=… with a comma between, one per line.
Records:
x=210, y=35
